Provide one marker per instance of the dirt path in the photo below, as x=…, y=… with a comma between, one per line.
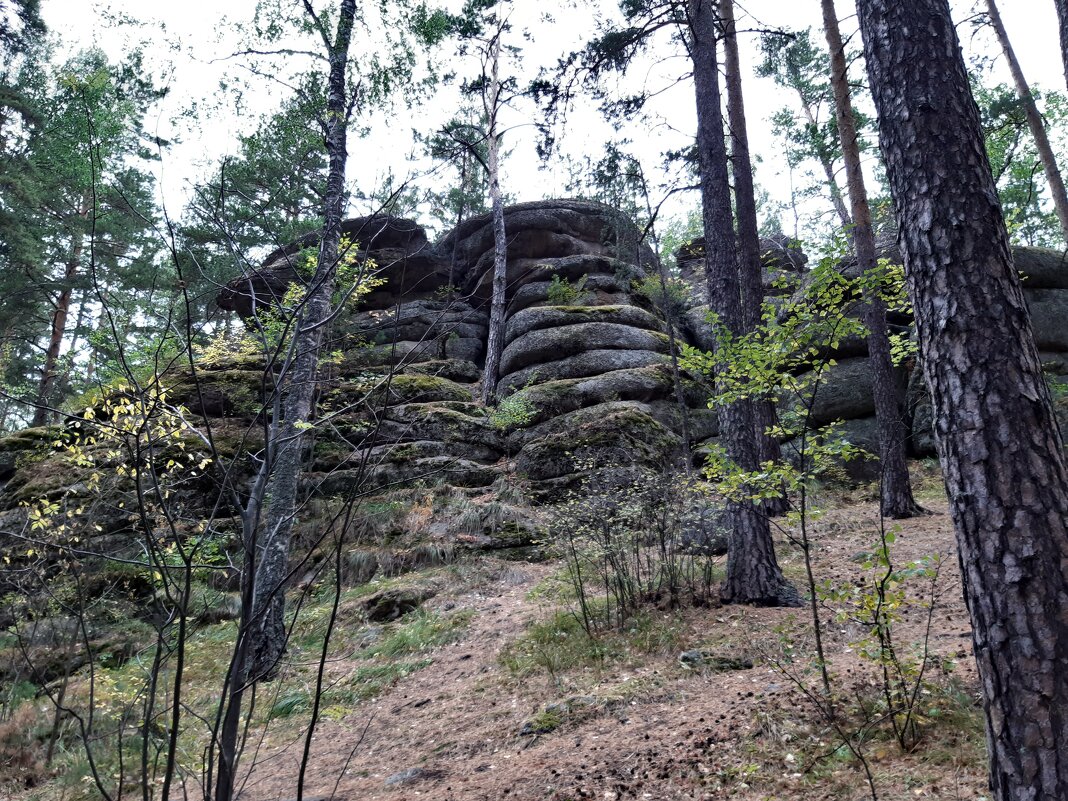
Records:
x=452, y=729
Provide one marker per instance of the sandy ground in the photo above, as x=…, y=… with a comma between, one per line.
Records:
x=457, y=721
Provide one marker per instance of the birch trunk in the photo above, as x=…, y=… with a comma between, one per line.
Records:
x=495, y=339
x=266, y=628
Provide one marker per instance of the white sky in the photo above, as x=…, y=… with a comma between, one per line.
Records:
x=182, y=39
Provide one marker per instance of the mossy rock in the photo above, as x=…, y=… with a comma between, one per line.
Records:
x=400, y=454
x=623, y=436
x=539, y=318
x=461, y=371
x=361, y=355
x=432, y=471
x=552, y=344
x=400, y=389
x=221, y=393
x=582, y=365
x=31, y=439
x=27, y=447
x=599, y=289
x=554, y=398
x=1041, y=268
x=440, y=421
x=235, y=437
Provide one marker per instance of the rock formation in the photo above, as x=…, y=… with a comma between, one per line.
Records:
x=585, y=373
x=586, y=380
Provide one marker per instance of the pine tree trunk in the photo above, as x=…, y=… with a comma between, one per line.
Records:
x=1034, y=121
x=43, y=412
x=1062, y=25
x=750, y=263
x=266, y=628
x=827, y=164
x=998, y=440
x=753, y=574
x=895, y=488
x=495, y=339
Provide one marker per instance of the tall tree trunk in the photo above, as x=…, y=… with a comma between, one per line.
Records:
x=495, y=339
x=750, y=264
x=895, y=488
x=460, y=215
x=262, y=634
x=101, y=322
x=43, y=412
x=753, y=573
x=998, y=440
x=1062, y=25
x=266, y=629
x=1034, y=121
x=827, y=163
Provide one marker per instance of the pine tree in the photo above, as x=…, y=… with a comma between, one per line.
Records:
x=1016, y=163
x=266, y=196
x=753, y=573
x=76, y=218
x=1062, y=28
x=750, y=259
x=794, y=62
x=998, y=440
x=1034, y=119
x=895, y=489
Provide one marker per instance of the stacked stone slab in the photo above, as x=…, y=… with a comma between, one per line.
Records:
x=1045, y=284
x=783, y=265
x=592, y=361
x=594, y=367
x=399, y=406
x=844, y=393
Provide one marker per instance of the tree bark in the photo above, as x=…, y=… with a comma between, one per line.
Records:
x=828, y=170
x=1062, y=25
x=1034, y=121
x=43, y=410
x=753, y=573
x=998, y=440
x=262, y=634
x=895, y=489
x=750, y=263
x=495, y=339
x=266, y=628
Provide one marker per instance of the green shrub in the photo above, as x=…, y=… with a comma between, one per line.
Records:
x=515, y=411
x=562, y=293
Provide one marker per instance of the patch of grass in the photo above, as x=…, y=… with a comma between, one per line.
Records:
x=545, y=721
x=289, y=703
x=793, y=751
x=557, y=587
x=364, y=683
x=421, y=632
x=371, y=680
x=956, y=734
x=561, y=644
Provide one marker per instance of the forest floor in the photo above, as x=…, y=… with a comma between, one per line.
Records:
x=517, y=707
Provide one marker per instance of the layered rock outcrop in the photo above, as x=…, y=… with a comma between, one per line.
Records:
x=584, y=348
x=1044, y=273
x=585, y=373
